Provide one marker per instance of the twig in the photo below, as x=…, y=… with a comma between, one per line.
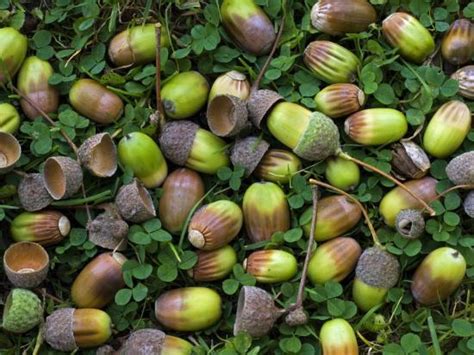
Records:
x=160, y=112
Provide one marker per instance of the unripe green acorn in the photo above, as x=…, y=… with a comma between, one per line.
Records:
x=231, y=83
x=342, y=173
x=176, y=346
x=265, y=210
x=333, y=260
x=188, y=309
x=9, y=118
x=13, y=47
x=457, y=46
x=248, y=26
x=214, y=265
x=336, y=216
x=184, y=94
x=331, y=62
x=141, y=154
x=406, y=33
x=271, y=266
x=338, y=100
x=278, y=165
x=398, y=199
x=136, y=45
x=22, y=311
x=375, y=126
x=438, y=276
x=337, y=337
x=447, y=129
x=465, y=78
x=375, y=323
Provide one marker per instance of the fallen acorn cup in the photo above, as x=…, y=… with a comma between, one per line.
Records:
x=108, y=230
x=33, y=194
x=213, y=265
x=134, y=203
x=338, y=337
x=460, y=170
x=10, y=152
x=271, y=266
x=22, y=311
x=410, y=223
x=62, y=177
x=227, y=116
x=98, y=154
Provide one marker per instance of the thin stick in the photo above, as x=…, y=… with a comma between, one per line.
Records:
x=159, y=105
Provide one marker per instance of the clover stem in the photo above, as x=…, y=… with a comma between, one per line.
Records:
x=453, y=188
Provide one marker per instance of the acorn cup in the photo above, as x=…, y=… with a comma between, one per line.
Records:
x=231, y=83
x=32, y=193
x=336, y=216
x=188, y=309
x=62, y=177
x=9, y=118
x=95, y=101
x=44, y=227
x=259, y=104
x=98, y=154
x=67, y=329
x=468, y=204
x=342, y=173
x=465, y=78
x=22, y=311
x=248, y=153
x=278, y=165
x=334, y=260
x=438, y=276
x=13, y=47
x=10, y=152
x=338, y=337
x=99, y=281
x=134, y=203
x=185, y=143
x=33, y=83
x=227, y=116
x=215, y=225
x=213, y=265
x=410, y=223
x=271, y=266
x=457, y=46
x=409, y=160
x=144, y=342
x=108, y=230
x=184, y=94
x=447, y=129
x=248, y=26
x=266, y=211
x=331, y=62
x=182, y=190
x=26, y=264
x=141, y=154
x=406, y=33
x=460, y=170
x=338, y=100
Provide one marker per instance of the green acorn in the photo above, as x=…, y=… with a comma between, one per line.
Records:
x=331, y=62
x=376, y=126
x=447, y=129
x=342, y=173
x=214, y=265
x=13, y=47
x=438, y=276
x=460, y=170
x=248, y=26
x=278, y=165
x=337, y=337
x=457, y=46
x=141, y=154
x=9, y=118
x=22, y=311
x=231, y=83
x=188, y=309
x=465, y=78
x=271, y=266
x=406, y=33
x=176, y=346
x=338, y=100
x=375, y=323
x=184, y=94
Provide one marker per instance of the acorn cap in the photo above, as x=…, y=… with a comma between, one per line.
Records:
x=134, y=203
x=59, y=330
x=108, y=230
x=143, y=342
x=227, y=115
x=22, y=311
x=98, y=154
x=259, y=104
x=26, y=264
x=410, y=223
x=10, y=152
x=176, y=140
x=105, y=350
x=378, y=268
x=33, y=194
x=460, y=170
x=248, y=153
x=62, y=177
x=296, y=317
x=469, y=204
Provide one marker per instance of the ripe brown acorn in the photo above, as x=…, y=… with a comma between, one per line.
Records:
x=214, y=264
x=465, y=78
x=338, y=100
x=457, y=46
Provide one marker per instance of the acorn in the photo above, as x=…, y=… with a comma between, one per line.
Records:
x=311, y=136
x=248, y=153
x=457, y=46
x=331, y=62
x=231, y=83
x=10, y=152
x=278, y=165
x=136, y=45
x=409, y=160
x=227, y=116
x=338, y=337
x=95, y=101
x=413, y=40
x=397, y=199
x=188, y=309
x=265, y=210
x=33, y=83
x=98, y=154
x=468, y=204
x=62, y=177
x=215, y=225
x=438, y=276
x=175, y=346
x=184, y=94
x=22, y=311
x=248, y=26
x=32, y=193
x=108, y=230
x=342, y=173
x=67, y=329
x=338, y=100
x=271, y=266
x=336, y=216
x=333, y=260
x=460, y=170
x=185, y=143
x=26, y=264
x=376, y=272
x=144, y=342
x=9, y=118
x=13, y=47
x=376, y=126
x=259, y=104
x=134, y=203
x=141, y=154
x=465, y=78
x=99, y=281
x=44, y=227
x=447, y=129
x=213, y=265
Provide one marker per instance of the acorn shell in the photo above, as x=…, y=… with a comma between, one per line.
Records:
x=227, y=115
x=144, y=342
x=260, y=103
x=108, y=230
x=465, y=78
x=248, y=153
x=457, y=46
x=62, y=177
x=10, y=152
x=32, y=193
x=460, y=170
x=134, y=203
x=176, y=140
x=98, y=154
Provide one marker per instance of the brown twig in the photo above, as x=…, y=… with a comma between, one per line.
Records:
x=453, y=188
x=160, y=112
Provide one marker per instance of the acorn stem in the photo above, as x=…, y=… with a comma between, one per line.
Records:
x=453, y=188
x=159, y=105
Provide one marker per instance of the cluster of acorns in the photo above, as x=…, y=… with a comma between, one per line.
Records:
x=234, y=109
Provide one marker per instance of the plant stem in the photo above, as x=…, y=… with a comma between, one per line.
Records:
x=159, y=105
x=8, y=207
x=81, y=201
x=434, y=336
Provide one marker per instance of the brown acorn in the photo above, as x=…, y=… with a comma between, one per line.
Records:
x=62, y=177
x=248, y=153
x=409, y=160
x=33, y=194
x=134, y=202
x=338, y=100
x=278, y=165
x=214, y=264
x=10, y=152
x=457, y=46
x=98, y=154
x=108, y=230
x=465, y=78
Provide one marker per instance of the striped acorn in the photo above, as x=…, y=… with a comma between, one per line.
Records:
x=406, y=33
x=438, y=276
x=214, y=265
x=337, y=337
x=465, y=78
x=457, y=46
x=9, y=118
x=13, y=47
x=338, y=100
x=22, y=311
x=278, y=165
x=271, y=266
x=447, y=129
x=376, y=126
x=231, y=83
x=333, y=260
x=342, y=173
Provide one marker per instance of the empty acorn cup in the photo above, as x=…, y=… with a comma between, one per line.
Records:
x=26, y=264
x=227, y=115
x=134, y=203
x=98, y=154
x=10, y=152
x=32, y=193
x=108, y=230
x=62, y=177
